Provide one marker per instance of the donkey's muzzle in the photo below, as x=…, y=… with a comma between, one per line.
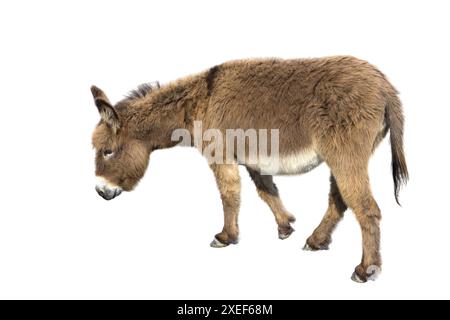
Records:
x=108, y=194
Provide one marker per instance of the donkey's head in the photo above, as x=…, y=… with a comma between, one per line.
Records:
x=121, y=159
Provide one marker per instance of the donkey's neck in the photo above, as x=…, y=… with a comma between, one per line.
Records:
x=154, y=117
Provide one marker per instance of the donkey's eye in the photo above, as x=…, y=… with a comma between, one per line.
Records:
x=107, y=153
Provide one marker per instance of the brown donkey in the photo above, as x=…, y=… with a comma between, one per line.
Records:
x=334, y=110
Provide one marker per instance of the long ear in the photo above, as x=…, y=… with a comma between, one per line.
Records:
x=106, y=110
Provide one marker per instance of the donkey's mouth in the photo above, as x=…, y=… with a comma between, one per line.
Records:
x=108, y=194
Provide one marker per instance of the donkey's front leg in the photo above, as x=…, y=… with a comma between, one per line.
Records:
x=228, y=182
x=268, y=192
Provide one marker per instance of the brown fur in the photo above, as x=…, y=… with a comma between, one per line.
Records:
x=321, y=237
x=268, y=192
x=339, y=107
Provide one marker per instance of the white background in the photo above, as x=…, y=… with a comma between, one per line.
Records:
x=59, y=239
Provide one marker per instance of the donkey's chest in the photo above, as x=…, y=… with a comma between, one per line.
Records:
x=295, y=163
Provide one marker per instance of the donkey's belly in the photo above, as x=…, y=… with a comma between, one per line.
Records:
x=296, y=163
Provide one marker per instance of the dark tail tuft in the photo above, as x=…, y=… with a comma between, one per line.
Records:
x=394, y=120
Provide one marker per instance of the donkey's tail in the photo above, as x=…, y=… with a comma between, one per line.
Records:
x=394, y=121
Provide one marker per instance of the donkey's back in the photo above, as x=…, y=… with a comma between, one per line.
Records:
x=322, y=107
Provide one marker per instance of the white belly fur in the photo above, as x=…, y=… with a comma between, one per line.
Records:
x=296, y=163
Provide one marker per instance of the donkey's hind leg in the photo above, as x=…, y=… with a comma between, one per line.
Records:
x=321, y=237
x=268, y=192
x=228, y=182
x=353, y=183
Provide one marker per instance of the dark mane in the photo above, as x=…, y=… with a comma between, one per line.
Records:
x=142, y=90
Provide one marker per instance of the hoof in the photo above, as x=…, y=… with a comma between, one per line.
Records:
x=217, y=244
x=356, y=278
x=307, y=247
x=285, y=232
x=283, y=236
x=371, y=273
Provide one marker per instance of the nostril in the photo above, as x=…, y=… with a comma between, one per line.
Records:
x=100, y=191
